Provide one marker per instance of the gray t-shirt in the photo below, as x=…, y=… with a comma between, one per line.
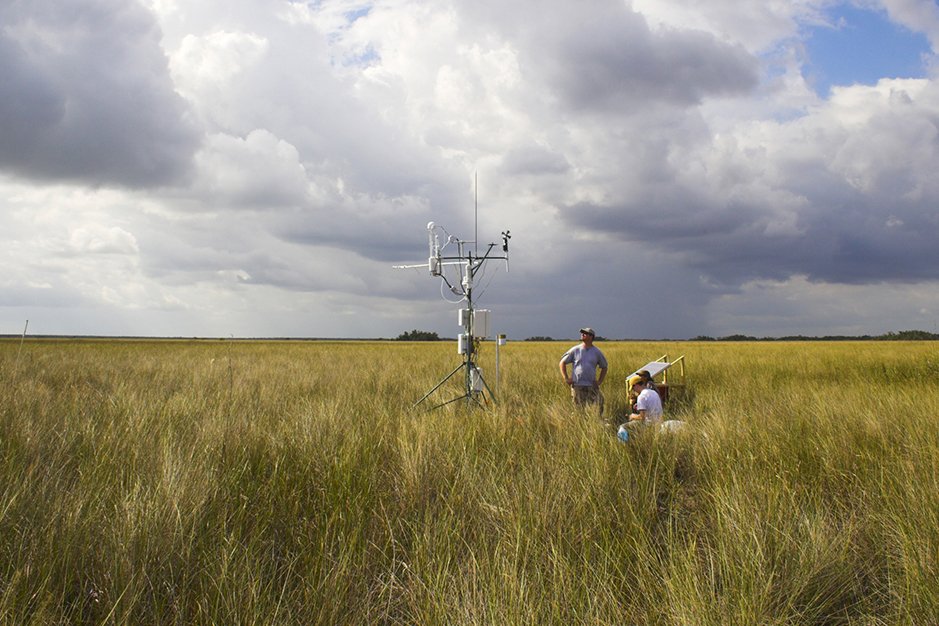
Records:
x=585, y=362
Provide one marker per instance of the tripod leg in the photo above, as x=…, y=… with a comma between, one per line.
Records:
x=451, y=401
x=437, y=386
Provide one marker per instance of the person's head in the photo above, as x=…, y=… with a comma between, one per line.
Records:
x=644, y=375
x=639, y=385
x=587, y=335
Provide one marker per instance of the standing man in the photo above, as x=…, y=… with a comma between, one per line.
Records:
x=584, y=380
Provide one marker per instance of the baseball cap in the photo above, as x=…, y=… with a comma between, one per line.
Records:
x=588, y=330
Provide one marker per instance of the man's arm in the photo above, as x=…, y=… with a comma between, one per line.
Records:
x=601, y=376
x=563, y=367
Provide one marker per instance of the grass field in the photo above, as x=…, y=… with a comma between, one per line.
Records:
x=225, y=482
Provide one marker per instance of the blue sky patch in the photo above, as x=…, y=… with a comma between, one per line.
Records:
x=863, y=47
x=357, y=13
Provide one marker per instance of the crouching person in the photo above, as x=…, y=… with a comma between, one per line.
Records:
x=648, y=405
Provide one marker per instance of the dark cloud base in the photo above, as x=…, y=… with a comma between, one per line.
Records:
x=86, y=96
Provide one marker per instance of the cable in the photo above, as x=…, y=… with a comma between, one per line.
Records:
x=444, y=298
x=486, y=286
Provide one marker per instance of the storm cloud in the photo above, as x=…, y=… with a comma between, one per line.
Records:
x=87, y=95
x=665, y=168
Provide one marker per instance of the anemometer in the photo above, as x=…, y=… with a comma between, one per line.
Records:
x=457, y=272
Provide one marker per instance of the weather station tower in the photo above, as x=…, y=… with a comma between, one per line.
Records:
x=459, y=271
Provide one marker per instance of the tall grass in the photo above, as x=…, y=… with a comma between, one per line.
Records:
x=223, y=482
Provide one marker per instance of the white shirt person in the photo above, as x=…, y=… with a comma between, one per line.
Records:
x=648, y=405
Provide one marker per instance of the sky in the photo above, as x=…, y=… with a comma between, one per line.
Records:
x=666, y=168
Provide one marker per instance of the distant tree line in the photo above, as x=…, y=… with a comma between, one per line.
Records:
x=418, y=335
x=903, y=335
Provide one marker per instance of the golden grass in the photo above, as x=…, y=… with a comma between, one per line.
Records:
x=223, y=482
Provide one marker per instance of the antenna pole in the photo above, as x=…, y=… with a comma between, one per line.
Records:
x=468, y=329
x=476, y=216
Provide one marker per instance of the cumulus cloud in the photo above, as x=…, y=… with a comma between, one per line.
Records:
x=102, y=240
x=811, y=196
x=257, y=171
x=918, y=15
x=623, y=62
x=87, y=95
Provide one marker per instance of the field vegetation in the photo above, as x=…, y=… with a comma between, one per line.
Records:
x=226, y=482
